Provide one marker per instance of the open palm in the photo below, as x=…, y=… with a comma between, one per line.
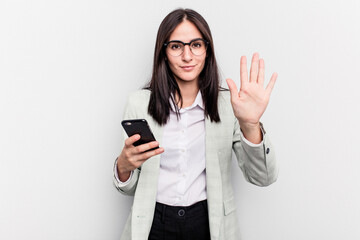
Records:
x=250, y=102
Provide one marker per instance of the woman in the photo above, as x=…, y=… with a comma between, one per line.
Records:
x=182, y=190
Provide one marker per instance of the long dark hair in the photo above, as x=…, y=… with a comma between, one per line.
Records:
x=163, y=85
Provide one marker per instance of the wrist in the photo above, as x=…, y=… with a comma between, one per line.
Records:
x=124, y=177
x=249, y=126
x=252, y=132
x=123, y=173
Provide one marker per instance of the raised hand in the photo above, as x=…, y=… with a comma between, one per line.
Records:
x=250, y=102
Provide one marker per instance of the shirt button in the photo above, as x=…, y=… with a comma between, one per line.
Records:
x=267, y=150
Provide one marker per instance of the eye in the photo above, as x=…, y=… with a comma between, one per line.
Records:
x=197, y=44
x=175, y=46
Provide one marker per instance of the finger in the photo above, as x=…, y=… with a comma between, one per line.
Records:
x=271, y=84
x=261, y=75
x=254, y=68
x=243, y=72
x=233, y=88
x=129, y=141
x=146, y=146
x=146, y=155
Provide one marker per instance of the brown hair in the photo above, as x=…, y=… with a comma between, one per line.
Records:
x=163, y=85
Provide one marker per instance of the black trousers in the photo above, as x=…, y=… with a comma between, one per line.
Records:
x=180, y=223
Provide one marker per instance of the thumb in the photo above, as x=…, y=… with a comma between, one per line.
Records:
x=233, y=88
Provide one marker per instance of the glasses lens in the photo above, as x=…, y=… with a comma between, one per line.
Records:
x=198, y=47
x=175, y=48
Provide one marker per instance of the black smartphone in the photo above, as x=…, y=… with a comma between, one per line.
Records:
x=141, y=127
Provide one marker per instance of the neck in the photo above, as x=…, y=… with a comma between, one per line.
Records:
x=188, y=91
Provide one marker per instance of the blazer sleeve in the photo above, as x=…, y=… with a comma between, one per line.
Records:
x=257, y=163
x=130, y=186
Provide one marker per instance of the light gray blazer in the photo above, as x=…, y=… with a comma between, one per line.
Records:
x=257, y=164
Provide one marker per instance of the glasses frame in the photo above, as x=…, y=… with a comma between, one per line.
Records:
x=189, y=43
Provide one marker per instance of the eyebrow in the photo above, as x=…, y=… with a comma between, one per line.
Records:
x=176, y=40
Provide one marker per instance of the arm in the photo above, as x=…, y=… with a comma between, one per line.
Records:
x=129, y=186
x=127, y=167
x=257, y=161
x=126, y=187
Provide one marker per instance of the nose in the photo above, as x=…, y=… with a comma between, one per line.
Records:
x=187, y=54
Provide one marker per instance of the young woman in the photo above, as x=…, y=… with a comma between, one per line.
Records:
x=182, y=190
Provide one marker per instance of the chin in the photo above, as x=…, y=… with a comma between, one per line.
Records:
x=188, y=78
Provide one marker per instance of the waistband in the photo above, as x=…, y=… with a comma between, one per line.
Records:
x=179, y=212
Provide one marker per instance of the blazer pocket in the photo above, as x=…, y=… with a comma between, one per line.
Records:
x=229, y=206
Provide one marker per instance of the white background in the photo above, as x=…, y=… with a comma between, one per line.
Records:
x=66, y=68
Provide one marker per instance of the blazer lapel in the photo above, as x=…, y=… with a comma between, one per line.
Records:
x=213, y=178
x=145, y=197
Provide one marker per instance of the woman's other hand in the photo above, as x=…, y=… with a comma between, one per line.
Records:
x=132, y=157
x=250, y=102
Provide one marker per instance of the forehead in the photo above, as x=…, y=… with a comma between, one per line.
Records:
x=185, y=31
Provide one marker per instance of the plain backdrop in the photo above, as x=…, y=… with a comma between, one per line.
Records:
x=66, y=68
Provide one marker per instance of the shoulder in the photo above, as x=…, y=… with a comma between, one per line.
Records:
x=137, y=104
x=224, y=94
x=139, y=96
x=224, y=107
x=224, y=98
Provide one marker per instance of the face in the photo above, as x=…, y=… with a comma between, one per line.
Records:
x=186, y=67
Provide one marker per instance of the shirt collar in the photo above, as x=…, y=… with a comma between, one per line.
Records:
x=198, y=102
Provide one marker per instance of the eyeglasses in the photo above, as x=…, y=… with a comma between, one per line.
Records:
x=197, y=46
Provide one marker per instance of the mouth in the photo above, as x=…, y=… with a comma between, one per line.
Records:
x=188, y=67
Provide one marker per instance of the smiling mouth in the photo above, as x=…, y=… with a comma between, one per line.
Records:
x=188, y=68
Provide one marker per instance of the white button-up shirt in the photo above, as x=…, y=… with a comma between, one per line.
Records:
x=182, y=179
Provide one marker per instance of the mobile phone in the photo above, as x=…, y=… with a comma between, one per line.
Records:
x=141, y=127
